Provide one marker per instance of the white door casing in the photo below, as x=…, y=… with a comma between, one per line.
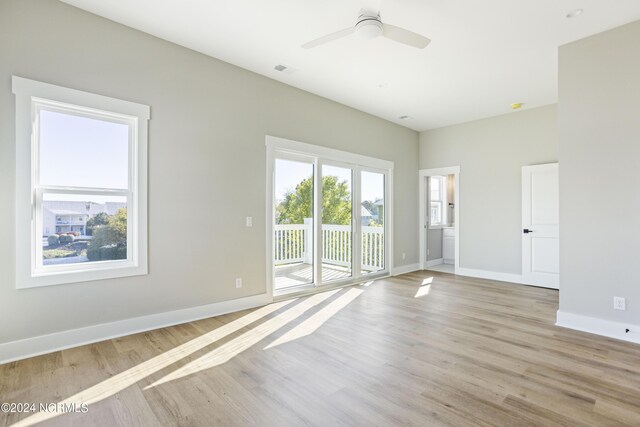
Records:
x=424, y=212
x=540, y=226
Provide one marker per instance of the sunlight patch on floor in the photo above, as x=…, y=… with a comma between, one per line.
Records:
x=227, y=351
x=125, y=379
x=424, y=289
x=312, y=324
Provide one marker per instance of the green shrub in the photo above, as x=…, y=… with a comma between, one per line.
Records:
x=57, y=253
x=106, y=253
x=53, y=240
x=67, y=238
x=100, y=219
x=93, y=253
x=110, y=240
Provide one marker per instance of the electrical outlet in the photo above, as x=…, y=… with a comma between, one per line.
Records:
x=238, y=282
x=428, y=252
x=404, y=255
x=249, y=221
x=619, y=303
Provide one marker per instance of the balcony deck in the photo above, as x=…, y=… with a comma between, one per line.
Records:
x=293, y=244
x=290, y=275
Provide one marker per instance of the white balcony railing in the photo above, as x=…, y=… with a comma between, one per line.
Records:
x=290, y=241
x=336, y=245
x=293, y=244
x=372, y=248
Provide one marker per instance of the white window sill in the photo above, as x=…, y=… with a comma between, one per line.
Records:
x=441, y=226
x=66, y=277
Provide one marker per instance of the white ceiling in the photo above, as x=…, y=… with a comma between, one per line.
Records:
x=484, y=55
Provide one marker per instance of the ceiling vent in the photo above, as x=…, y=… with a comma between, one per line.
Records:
x=280, y=67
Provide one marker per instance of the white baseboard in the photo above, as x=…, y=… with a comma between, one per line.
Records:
x=29, y=347
x=491, y=275
x=434, y=262
x=405, y=269
x=596, y=326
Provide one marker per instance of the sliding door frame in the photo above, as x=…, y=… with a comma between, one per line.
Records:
x=291, y=150
x=386, y=224
x=306, y=159
x=322, y=162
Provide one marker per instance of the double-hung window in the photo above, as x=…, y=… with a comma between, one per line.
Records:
x=81, y=185
x=438, y=200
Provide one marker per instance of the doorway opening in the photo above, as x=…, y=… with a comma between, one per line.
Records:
x=439, y=219
x=541, y=226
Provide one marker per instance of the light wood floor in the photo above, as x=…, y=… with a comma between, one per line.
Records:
x=456, y=351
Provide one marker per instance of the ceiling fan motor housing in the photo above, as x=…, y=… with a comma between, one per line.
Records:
x=368, y=27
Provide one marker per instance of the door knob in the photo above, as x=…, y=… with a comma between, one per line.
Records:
x=526, y=231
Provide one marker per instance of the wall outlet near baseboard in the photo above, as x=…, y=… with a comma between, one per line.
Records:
x=404, y=255
x=619, y=303
x=238, y=282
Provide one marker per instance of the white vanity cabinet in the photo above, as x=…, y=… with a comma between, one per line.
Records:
x=449, y=245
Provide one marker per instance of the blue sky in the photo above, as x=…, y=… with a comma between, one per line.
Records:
x=83, y=152
x=78, y=151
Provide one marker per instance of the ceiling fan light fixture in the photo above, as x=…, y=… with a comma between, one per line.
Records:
x=368, y=27
x=575, y=13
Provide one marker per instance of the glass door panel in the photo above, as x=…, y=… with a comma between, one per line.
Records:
x=336, y=233
x=372, y=219
x=293, y=260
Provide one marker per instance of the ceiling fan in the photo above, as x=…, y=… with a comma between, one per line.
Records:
x=369, y=26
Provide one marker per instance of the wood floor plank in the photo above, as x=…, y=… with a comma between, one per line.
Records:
x=461, y=352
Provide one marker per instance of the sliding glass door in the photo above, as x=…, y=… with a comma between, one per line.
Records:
x=372, y=220
x=329, y=221
x=337, y=223
x=293, y=260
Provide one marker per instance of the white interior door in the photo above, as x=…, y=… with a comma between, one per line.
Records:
x=540, y=226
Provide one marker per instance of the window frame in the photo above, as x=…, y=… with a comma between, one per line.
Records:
x=31, y=98
x=442, y=201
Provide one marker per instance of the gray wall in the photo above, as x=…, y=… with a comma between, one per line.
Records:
x=491, y=153
x=206, y=163
x=599, y=130
x=434, y=244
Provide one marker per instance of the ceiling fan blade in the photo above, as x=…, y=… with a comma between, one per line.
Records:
x=328, y=38
x=403, y=36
